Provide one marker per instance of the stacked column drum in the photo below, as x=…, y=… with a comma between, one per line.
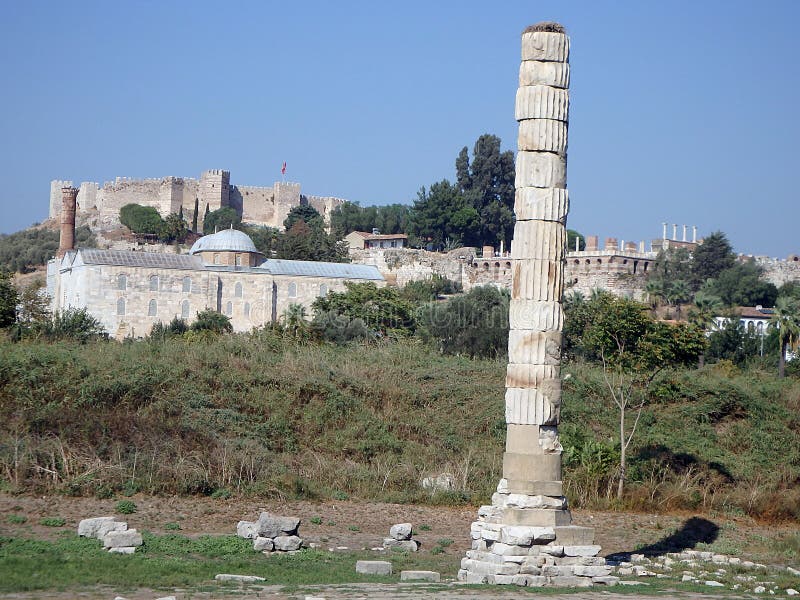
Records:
x=526, y=536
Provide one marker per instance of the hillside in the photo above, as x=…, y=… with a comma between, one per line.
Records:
x=260, y=415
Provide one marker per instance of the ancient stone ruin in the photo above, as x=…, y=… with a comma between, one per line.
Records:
x=271, y=533
x=526, y=537
x=115, y=535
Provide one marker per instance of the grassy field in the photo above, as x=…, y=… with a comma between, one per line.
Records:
x=259, y=416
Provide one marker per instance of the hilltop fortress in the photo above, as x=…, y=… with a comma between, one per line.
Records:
x=266, y=206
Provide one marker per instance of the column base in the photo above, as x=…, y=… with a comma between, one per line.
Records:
x=535, y=547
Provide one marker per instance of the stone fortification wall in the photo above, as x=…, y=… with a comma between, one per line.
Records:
x=268, y=206
x=778, y=271
x=399, y=266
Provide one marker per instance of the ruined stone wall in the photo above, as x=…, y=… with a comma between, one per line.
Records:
x=778, y=271
x=324, y=205
x=399, y=266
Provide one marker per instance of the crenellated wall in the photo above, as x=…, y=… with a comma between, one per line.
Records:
x=268, y=206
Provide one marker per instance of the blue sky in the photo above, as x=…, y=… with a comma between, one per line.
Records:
x=682, y=111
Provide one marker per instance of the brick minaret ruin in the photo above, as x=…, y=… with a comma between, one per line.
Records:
x=69, y=200
x=526, y=537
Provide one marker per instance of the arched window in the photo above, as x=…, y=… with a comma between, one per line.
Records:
x=185, y=309
x=599, y=261
x=237, y=290
x=246, y=309
x=187, y=284
x=152, y=308
x=122, y=281
x=293, y=290
x=238, y=260
x=229, y=308
x=121, y=307
x=508, y=265
x=153, y=283
x=760, y=328
x=216, y=259
x=323, y=290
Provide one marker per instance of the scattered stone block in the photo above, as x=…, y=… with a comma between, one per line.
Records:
x=444, y=482
x=759, y=589
x=122, y=549
x=712, y=583
x=581, y=550
x=287, y=543
x=792, y=592
x=247, y=530
x=269, y=525
x=239, y=578
x=401, y=531
x=374, y=567
x=520, y=535
x=569, y=581
x=792, y=571
x=591, y=570
x=98, y=527
x=167, y=598
x=606, y=580
x=420, y=576
x=120, y=539
x=262, y=544
x=410, y=545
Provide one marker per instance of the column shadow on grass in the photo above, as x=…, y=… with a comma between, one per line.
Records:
x=695, y=530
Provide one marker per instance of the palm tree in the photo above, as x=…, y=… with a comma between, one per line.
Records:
x=786, y=320
x=707, y=308
x=294, y=319
x=678, y=291
x=654, y=291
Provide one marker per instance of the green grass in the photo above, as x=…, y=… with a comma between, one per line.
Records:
x=125, y=507
x=170, y=561
x=17, y=519
x=53, y=522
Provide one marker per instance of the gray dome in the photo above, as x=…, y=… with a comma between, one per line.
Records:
x=227, y=240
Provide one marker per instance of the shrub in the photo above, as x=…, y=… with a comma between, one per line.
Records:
x=126, y=507
x=172, y=527
x=141, y=219
x=53, y=522
x=17, y=519
x=213, y=321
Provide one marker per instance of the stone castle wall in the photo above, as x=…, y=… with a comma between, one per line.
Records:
x=266, y=206
x=778, y=271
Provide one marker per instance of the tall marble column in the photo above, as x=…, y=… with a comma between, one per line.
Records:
x=526, y=536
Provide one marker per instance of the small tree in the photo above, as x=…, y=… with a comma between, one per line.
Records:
x=75, y=324
x=141, y=219
x=222, y=218
x=382, y=309
x=633, y=349
x=213, y=321
x=786, y=321
x=306, y=213
x=8, y=301
x=294, y=320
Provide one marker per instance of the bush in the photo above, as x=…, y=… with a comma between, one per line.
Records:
x=141, y=219
x=53, y=522
x=175, y=327
x=212, y=321
x=126, y=507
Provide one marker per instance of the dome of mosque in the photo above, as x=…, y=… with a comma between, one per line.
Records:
x=227, y=240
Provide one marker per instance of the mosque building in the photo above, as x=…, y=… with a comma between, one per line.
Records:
x=130, y=291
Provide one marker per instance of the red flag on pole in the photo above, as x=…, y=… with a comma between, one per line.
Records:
x=283, y=168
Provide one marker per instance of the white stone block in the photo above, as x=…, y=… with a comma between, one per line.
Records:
x=287, y=543
x=122, y=549
x=538, y=501
x=581, y=550
x=525, y=406
x=592, y=571
x=502, y=549
x=239, y=578
x=540, y=169
x=541, y=102
x=374, y=567
x=269, y=525
x=552, y=550
x=521, y=535
x=542, y=135
x=535, y=315
x=262, y=544
x=535, y=279
x=530, y=376
x=543, y=204
x=401, y=531
x=119, y=539
x=537, y=72
x=98, y=527
x=545, y=45
x=247, y=529
x=420, y=576
x=536, y=348
x=410, y=545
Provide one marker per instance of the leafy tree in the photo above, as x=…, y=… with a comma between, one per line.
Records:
x=310, y=242
x=443, y=213
x=732, y=341
x=711, y=258
x=33, y=314
x=383, y=310
x=786, y=321
x=306, y=213
x=426, y=290
x=392, y=218
x=294, y=320
x=741, y=285
x=8, y=301
x=475, y=324
x=173, y=229
x=572, y=235
x=175, y=327
x=633, y=348
x=676, y=292
x=74, y=324
x=141, y=219
x=265, y=239
x=25, y=250
x=222, y=218
x=213, y=321
x=330, y=326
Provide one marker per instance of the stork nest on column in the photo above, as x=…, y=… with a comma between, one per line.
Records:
x=550, y=26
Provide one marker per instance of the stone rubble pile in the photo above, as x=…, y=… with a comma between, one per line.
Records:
x=695, y=566
x=271, y=533
x=115, y=535
x=400, y=537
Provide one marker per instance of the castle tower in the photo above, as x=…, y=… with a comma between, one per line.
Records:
x=525, y=536
x=69, y=200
